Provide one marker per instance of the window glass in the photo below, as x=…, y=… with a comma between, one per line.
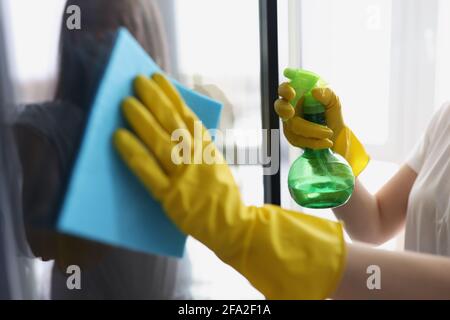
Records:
x=212, y=46
x=217, y=52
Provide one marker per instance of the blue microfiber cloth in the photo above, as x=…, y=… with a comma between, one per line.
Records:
x=104, y=201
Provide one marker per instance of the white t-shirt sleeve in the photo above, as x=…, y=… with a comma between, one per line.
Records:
x=427, y=227
x=416, y=158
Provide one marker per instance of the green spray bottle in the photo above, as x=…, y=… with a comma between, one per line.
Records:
x=318, y=179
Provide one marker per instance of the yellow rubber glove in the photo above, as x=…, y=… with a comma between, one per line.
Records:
x=304, y=134
x=284, y=254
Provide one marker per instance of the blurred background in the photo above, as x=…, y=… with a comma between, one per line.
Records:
x=386, y=59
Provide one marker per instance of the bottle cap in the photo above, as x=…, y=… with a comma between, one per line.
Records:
x=304, y=82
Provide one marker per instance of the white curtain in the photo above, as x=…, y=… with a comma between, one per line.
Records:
x=387, y=60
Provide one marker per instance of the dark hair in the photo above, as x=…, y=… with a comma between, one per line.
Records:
x=84, y=52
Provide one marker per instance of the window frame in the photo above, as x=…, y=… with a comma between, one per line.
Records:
x=268, y=21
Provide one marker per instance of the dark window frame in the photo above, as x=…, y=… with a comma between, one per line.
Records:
x=268, y=23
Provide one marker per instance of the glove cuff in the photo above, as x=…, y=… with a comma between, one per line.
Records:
x=290, y=255
x=349, y=147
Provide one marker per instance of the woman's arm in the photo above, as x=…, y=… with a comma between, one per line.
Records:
x=377, y=218
x=403, y=275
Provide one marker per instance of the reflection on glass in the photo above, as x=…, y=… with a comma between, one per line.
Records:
x=47, y=136
x=218, y=54
x=56, y=73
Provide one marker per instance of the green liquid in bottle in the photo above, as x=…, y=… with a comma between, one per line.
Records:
x=320, y=179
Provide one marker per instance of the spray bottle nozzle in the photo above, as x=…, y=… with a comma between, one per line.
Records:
x=304, y=82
